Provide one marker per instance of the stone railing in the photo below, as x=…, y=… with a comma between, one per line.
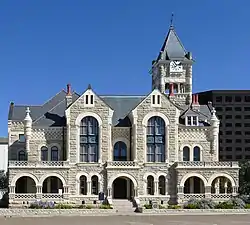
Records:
x=26, y=196
x=221, y=196
x=38, y=164
x=198, y=164
x=122, y=164
x=196, y=196
x=51, y=196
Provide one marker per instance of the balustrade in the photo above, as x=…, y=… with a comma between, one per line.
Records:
x=127, y=164
x=14, y=164
x=206, y=164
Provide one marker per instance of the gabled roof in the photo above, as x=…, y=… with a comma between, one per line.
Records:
x=172, y=47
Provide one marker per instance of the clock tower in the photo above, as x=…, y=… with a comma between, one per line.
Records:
x=172, y=70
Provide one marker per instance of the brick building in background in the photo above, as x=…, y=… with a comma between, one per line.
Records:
x=233, y=111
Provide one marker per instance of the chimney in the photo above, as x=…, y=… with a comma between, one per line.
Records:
x=197, y=99
x=68, y=96
x=171, y=89
x=195, y=102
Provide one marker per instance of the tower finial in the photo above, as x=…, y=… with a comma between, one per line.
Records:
x=171, y=21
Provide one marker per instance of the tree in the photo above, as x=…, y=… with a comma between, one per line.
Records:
x=244, y=178
x=3, y=180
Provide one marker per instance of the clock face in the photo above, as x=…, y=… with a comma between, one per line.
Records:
x=175, y=66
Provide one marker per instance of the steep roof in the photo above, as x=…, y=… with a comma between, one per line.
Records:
x=52, y=112
x=172, y=47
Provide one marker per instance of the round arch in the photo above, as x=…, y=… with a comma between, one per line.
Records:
x=161, y=174
x=186, y=145
x=42, y=179
x=150, y=174
x=125, y=140
x=95, y=174
x=78, y=175
x=17, y=176
x=152, y=114
x=188, y=175
x=122, y=175
x=215, y=175
x=197, y=145
x=85, y=114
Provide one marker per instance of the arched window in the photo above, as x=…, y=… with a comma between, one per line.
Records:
x=197, y=153
x=22, y=155
x=156, y=140
x=83, y=185
x=150, y=185
x=44, y=153
x=162, y=185
x=186, y=153
x=54, y=154
x=89, y=129
x=120, y=151
x=94, y=185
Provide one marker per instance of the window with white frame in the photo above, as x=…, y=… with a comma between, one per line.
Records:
x=156, y=100
x=156, y=140
x=192, y=121
x=89, y=130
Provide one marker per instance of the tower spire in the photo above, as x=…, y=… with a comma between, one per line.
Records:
x=171, y=20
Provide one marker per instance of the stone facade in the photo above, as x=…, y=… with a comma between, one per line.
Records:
x=119, y=152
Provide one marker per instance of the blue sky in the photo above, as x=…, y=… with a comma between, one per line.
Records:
x=46, y=44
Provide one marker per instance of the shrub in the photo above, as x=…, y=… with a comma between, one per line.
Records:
x=174, y=207
x=199, y=204
x=42, y=205
x=245, y=198
x=233, y=203
x=224, y=205
x=89, y=207
x=105, y=206
x=162, y=207
x=237, y=203
x=148, y=206
x=247, y=206
x=63, y=206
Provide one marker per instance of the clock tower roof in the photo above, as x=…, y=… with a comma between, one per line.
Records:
x=172, y=47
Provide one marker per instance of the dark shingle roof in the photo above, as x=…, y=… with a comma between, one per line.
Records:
x=52, y=113
x=172, y=47
x=122, y=105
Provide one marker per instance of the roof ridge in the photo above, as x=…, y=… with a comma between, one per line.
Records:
x=54, y=97
x=49, y=111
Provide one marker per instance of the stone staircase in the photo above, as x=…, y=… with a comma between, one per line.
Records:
x=123, y=206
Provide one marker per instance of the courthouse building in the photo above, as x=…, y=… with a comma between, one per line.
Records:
x=161, y=147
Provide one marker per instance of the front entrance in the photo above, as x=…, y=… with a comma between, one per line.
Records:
x=122, y=188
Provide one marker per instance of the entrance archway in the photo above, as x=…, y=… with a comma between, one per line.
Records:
x=123, y=188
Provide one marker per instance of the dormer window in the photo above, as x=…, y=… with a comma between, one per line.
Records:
x=156, y=100
x=89, y=100
x=192, y=121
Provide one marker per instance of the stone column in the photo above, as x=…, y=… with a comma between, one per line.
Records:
x=191, y=185
x=166, y=143
x=39, y=194
x=166, y=186
x=100, y=145
x=68, y=143
x=217, y=186
x=110, y=150
x=109, y=192
x=156, y=188
x=225, y=187
x=88, y=187
x=180, y=193
x=208, y=192
x=12, y=192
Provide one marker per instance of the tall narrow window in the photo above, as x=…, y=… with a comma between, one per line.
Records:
x=197, y=153
x=92, y=99
x=186, y=154
x=120, y=151
x=89, y=130
x=162, y=185
x=83, y=185
x=44, y=153
x=94, y=185
x=150, y=185
x=156, y=140
x=54, y=154
x=86, y=99
x=22, y=156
